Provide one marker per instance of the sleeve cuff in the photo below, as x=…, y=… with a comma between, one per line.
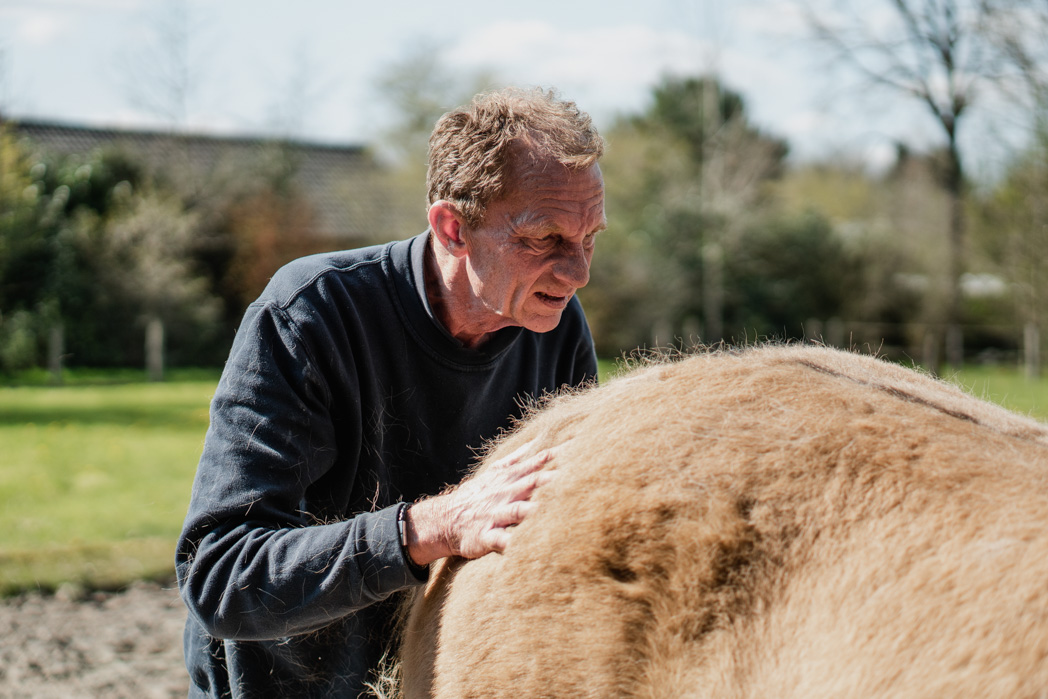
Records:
x=385, y=566
x=421, y=573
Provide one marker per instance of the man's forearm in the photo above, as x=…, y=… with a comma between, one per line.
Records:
x=253, y=584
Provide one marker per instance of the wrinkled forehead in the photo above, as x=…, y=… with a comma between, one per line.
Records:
x=568, y=203
x=531, y=169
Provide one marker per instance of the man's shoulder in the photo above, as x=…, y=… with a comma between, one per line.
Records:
x=313, y=274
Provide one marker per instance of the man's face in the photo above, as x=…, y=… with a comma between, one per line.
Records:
x=533, y=249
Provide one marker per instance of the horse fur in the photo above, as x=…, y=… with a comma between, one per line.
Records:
x=781, y=521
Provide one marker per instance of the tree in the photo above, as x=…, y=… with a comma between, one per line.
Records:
x=682, y=179
x=298, y=96
x=939, y=53
x=164, y=76
x=44, y=253
x=1013, y=229
x=890, y=227
x=269, y=227
x=19, y=255
x=418, y=89
x=785, y=271
x=143, y=255
x=1018, y=28
x=89, y=243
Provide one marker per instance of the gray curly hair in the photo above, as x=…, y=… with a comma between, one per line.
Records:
x=470, y=154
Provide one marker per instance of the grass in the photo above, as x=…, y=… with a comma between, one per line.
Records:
x=95, y=479
x=1006, y=386
x=95, y=475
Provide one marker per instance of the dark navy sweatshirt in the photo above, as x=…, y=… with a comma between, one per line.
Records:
x=342, y=397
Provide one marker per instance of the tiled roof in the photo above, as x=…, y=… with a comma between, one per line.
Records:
x=339, y=181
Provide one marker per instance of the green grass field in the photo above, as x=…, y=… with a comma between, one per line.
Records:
x=1007, y=387
x=95, y=479
x=95, y=476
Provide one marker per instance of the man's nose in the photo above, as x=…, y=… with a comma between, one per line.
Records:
x=572, y=266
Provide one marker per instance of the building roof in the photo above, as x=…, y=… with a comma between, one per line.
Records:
x=340, y=182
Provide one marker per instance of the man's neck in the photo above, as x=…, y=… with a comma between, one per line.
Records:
x=450, y=297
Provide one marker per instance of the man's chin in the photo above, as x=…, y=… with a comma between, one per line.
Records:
x=544, y=325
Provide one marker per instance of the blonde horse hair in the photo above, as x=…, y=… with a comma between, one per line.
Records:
x=783, y=521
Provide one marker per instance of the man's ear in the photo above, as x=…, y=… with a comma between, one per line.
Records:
x=446, y=223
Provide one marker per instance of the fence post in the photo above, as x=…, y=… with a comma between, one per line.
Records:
x=1032, y=350
x=813, y=331
x=662, y=334
x=930, y=351
x=55, y=348
x=155, y=349
x=692, y=332
x=954, y=346
x=713, y=292
x=835, y=333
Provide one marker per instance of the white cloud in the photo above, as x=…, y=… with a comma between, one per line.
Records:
x=39, y=27
x=771, y=18
x=105, y=4
x=45, y=22
x=880, y=156
x=604, y=69
x=611, y=70
x=804, y=124
x=64, y=5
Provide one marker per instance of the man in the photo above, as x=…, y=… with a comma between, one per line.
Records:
x=365, y=380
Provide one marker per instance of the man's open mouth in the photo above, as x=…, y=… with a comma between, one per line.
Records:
x=552, y=299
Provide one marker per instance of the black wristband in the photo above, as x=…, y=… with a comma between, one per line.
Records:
x=402, y=525
x=420, y=572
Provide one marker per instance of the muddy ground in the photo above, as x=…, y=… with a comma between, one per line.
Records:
x=77, y=645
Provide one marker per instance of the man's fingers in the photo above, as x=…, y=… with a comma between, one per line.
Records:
x=523, y=487
x=514, y=513
x=515, y=456
x=498, y=536
x=499, y=498
x=519, y=467
x=543, y=478
x=528, y=484
x=496, y=540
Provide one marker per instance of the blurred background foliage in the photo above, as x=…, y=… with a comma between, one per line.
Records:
x=714, y=233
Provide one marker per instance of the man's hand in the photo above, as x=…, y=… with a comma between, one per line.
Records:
x=472, y=520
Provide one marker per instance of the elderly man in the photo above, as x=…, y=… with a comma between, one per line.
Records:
x=362, y=383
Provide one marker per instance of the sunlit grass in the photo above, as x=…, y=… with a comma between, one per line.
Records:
x=93, y=474
x=1006, y=386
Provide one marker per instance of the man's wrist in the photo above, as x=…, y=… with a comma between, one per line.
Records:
x=424, y=531
x=403, y=527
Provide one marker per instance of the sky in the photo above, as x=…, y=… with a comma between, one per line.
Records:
x=311, y=68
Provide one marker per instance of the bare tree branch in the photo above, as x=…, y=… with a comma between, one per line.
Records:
x=942, y=53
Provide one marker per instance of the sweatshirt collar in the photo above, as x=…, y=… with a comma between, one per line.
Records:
x=408, y=259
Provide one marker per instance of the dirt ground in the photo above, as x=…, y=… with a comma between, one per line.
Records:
x=77, y=645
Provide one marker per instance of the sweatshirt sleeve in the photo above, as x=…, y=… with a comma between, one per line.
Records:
x=251, y=564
